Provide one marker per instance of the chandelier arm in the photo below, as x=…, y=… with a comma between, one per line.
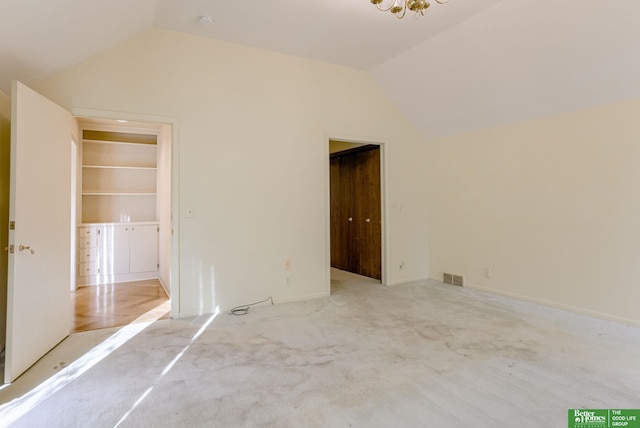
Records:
x=383, y=9
x=377, y=3
x=404, y=11
x=442, y=1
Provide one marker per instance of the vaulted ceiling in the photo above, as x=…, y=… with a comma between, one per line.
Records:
x=466, y=65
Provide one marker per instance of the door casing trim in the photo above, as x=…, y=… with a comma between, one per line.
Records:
x=384, y=209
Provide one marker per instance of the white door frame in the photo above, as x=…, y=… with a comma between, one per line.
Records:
x=384, y=190
x=175, y=188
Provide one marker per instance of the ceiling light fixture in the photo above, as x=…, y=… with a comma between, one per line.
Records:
x=205, y=20
x=397, y=8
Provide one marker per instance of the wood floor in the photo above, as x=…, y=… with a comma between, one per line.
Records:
x=114, y=305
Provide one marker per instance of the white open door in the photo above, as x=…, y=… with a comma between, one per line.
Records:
x=38, y=301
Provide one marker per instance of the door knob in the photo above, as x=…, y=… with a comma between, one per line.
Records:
x=350, y=218
x=26, y=247
x=368, y=220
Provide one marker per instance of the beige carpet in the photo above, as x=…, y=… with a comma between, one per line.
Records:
x=415, y=355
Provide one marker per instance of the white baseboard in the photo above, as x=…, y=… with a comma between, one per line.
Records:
x=166, y=289
x=406, y=281
x=300, y=298
x=276, y=300
x=114, y=279
x=555, y=305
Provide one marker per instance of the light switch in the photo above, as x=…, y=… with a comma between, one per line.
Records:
x=189, y=212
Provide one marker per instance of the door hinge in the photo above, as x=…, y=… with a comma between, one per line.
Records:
x=158, y=228
x=12, y=225
x=9, y=248
x=158, y=265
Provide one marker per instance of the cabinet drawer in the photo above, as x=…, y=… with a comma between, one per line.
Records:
x=88, y=255
x=84, y=232
x=88, y=242
x=86, y=269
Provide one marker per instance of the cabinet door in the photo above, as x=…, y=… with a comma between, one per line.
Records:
x=120, y=252
x=143, y=247
x=368, y=211
x=339, y=217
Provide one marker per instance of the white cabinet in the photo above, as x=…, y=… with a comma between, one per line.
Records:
x=88, y=241
x=143, y=249
x=135, y=249
x=119, y=251
x=109, y=253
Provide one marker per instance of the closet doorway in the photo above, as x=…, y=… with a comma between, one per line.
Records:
x=356, y=208
x=123, y=217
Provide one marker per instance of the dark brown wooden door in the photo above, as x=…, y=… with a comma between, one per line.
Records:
x=356, y=244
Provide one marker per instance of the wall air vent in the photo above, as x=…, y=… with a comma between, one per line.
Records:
x=449, y=278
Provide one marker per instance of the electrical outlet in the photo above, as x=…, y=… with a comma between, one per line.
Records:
x=401, y=265
x=487, y=272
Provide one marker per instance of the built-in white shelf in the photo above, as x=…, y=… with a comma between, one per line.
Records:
x=150, y=168
x=117, y=194
x=118, y=142
x=119, y=178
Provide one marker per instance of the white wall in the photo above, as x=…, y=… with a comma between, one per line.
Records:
x=5, y=145
x=76, y=192
x=253, y=158
x=164, y=205
x=551, y=206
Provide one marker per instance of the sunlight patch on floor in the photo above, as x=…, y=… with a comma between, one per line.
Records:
x=169, y=366
x=13, y=410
